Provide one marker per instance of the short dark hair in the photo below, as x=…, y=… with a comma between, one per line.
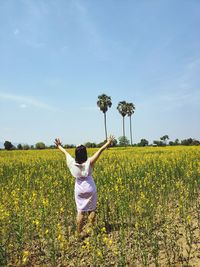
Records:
x=80, y=154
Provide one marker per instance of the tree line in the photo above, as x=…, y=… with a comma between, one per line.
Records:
x=121, y=142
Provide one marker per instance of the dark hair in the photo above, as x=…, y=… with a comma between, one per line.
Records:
x=80, y=154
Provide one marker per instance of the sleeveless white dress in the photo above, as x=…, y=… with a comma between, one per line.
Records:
x=85, y=188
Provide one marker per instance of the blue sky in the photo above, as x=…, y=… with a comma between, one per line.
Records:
x=56, y=57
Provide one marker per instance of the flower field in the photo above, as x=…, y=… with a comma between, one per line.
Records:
x=148, y=210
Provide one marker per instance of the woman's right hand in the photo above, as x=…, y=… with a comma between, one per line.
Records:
x=57, y=142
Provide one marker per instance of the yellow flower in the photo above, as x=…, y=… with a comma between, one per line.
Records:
x=99, y=253
x=87, y=243
x=46, y=232
x=45, y=202
x=110, y=242
x=188, y=218
x=36, y=222
x=103, y=229
x=105, y=239
x=26, y=253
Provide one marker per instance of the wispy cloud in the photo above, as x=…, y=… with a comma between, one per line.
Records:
x=180, y=88
x=25, y=101
x=179, y=99
x=177, y=91
x=29, y=28
x=169, y=101
x=90, y=30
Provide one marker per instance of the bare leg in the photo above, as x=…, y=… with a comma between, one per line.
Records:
x=92, y=217
x=80, y=221
x=85, y=221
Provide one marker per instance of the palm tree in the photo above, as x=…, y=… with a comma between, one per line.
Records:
x=104, y=102
x=122, y=108
x=130, y=111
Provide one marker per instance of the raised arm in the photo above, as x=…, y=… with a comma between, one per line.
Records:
x=94, y=158
x=59, y=145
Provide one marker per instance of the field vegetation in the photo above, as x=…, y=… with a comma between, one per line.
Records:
x=148, y=210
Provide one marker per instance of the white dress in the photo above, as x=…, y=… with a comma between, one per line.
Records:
x=85, y=188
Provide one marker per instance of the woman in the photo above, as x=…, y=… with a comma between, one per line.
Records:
x=85, y=188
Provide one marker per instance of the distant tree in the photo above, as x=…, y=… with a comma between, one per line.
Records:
x=32, y=147
x=122, y=108
x=26, y=147
x=190, y=142
x=158, y=143
x=195, y=142
x=40, y=145
x=143, y=142
x=187, y=142
x=130, y=110
x=171, y=143
x=123, y=141
x=52, y=146
x=104, y=102
x=93, y=145
x=89, y=144
x=69, y=146
x=114, y=143
x=19, y=146
x=176, y=142
x=164, y=138
x=8, y=145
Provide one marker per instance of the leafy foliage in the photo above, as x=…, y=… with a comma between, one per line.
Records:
x=104, y=102
x=8, y=145
x=40, y=145
x=123, y=141
x=122, y=108
x=143, y=142
x=130, y=109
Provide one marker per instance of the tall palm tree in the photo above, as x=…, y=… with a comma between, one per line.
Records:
x=104, y=102
x=122, y=108
x=130, y=111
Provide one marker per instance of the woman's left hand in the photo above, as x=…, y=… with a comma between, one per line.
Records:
x=111, y=138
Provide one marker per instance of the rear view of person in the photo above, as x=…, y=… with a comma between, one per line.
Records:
x=85, y=188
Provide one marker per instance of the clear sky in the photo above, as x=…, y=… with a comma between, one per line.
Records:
x=56, y=57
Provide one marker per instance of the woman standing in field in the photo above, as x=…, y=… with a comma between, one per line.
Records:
x=85, y=188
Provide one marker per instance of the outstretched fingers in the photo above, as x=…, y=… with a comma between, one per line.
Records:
x=57, y=142
x=111, y=138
